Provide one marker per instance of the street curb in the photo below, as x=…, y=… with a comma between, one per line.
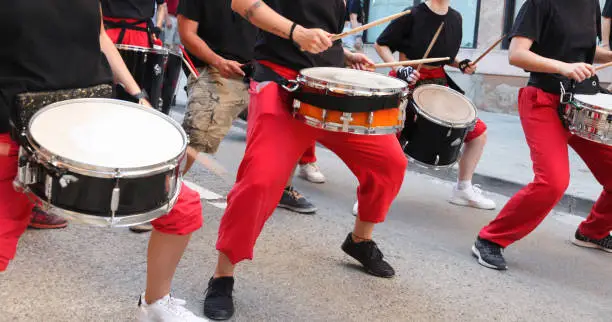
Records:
x=569, y=203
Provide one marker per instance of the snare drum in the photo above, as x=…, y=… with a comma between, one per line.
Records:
x=590, y=117
x=147, y=67
x=437, y=123
x=103, y=162
x=348, y=100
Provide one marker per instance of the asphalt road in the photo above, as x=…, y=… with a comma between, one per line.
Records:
x=300, y=274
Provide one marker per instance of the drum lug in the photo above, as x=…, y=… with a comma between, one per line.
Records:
x=296, y=107
x=450, y=131
x=114, y=204
x=346, y=119
x=323, y=115
x=370, y=119
x=48, y=187
x=437, y=159
x=295, y=85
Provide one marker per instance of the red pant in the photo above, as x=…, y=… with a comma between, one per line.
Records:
x=548, y=141
x=275, y=142
x=309, y=155
x=479, y=128
x=15, y=207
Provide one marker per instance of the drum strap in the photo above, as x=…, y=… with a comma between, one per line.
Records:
x=125, y=25
x=348, y=104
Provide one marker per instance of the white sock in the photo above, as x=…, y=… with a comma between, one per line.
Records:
x=464, y=184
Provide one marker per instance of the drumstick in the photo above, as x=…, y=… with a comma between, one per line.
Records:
x=188, y=62
x=411, y=62
x=369, y=25
x=431, y=44
x=489, y=50
x=600, y=67
x=207, y=162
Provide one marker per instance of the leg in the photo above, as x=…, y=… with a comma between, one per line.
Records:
x=214, y=103
x=166, y=247
x=598, y=158
x=15, y=207
x=379, y=164
x=308, y=166
x=465, y=194
x=547, y=140
x=261, y=178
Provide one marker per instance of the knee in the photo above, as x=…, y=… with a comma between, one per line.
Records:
x=554, y=187
x=394, y=168
x=185, y=217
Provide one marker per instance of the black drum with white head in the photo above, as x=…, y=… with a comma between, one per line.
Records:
x=101, y=161
x=437, y=123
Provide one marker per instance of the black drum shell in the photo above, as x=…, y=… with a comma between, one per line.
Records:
x=147, y=68
x=171, y=78
x=92, y=195
x=430, y=143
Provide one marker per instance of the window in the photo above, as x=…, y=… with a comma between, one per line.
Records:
x=469, y=9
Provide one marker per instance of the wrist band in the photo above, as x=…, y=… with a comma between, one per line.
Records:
x=291, y=31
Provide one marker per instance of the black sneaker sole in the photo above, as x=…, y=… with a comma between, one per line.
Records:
x=482, y=262
x=587, y=244
x=311, y=210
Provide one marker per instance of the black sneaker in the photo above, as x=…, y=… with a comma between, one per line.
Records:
x=368, y=254
x=294, y=201
x=489, y=254
x=604, y=244
x=218, y=304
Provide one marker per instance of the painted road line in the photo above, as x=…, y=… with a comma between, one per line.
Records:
x=204, y=193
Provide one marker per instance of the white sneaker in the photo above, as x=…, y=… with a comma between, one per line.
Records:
x=311, y=172
x=471, y=197
x=356, y=208
x=167, y=309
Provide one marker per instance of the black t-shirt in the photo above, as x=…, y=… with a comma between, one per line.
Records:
x=607, y=12
x=226, y=32
x=58, y=48
x=130, y=9
x=412, y=33
x=565, y=30
x=324, y=14
x=354, y=6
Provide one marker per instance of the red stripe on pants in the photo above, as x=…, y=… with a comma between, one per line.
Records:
x=548, y=141
x=275, y=142
x=15, y=207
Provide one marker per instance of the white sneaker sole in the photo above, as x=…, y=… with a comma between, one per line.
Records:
x=467, y=203
x=590, y=245
x=476, y=254
x=310, y=179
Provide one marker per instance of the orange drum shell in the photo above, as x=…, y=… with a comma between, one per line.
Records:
x=381, y=118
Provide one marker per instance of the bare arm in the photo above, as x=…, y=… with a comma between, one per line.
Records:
x=188, y=29
x=162, y=12
x=606, y=24
x=603, y=55
x=521, y=56
x=120, y=72
x=262, y=16
x=354, y=22
x=385, y=53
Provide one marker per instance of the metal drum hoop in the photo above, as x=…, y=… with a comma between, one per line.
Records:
x=46, y=156
x=159, y=51
x=350, y=90
x=444, y=123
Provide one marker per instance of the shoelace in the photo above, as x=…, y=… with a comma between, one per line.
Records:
x=177, y=306
x=492, y=249
x=373, y=252
x=294, y=193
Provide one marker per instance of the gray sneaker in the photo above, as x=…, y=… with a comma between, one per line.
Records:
x=604, y=244
x=294, y=201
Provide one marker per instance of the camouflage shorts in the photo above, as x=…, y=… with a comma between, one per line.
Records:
x=214, y=103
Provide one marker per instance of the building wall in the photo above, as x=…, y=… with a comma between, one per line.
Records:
x=495, y=85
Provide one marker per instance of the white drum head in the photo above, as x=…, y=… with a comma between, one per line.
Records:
x=444, y=104
x=352, y=77
x=600, y=100
x=107, y=133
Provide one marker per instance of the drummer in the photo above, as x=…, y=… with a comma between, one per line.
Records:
x=553, y=51
x=411, y=36
x=38, y=64
x=275, y=141
x=130, y=22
